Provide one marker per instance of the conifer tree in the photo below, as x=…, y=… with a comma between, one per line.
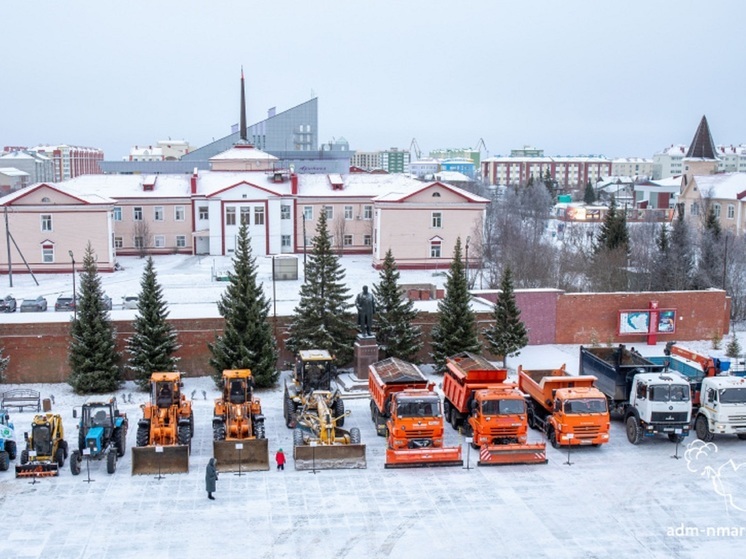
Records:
x=92, y=355
x=247, y=341
x=396, y=335
x=733, y=348
x=508, y=335
x=589, y=196
x=614, y=234
x=678, y=260
x=152, y=346
x=456, y=330
x=709, y=272
x=611, y=252
x=322, y=319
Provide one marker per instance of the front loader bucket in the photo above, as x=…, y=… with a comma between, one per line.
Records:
x=502, y=455
x=253, y=457
x=423, y=457
x=172, y=459
x=330, y=457
x=37, y=469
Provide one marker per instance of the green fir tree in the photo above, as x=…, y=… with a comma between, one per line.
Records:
x=508, y=334
x=322, y=319
x=152, y=346
x=395, y=334
x=613, y=234
x=589, y=196
x=733, y=349
x=247, y=341
x=92, y=355
x=456, y=329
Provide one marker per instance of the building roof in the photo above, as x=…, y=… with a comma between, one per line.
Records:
x=723, y=186
x=702, y=146
x=85, y=197
x=13, y=172
x=243, y=152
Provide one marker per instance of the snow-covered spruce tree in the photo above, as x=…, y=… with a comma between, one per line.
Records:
x=92, y=355
x=247, y=341
x=322, y=319
x=395, y=333
x=508, y=335
x=154, y=342
x=733, y=349
x=456, y=330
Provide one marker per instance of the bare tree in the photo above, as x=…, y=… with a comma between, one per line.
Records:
x=141, y=231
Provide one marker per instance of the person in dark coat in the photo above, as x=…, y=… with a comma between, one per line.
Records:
x=211, y=476
x=280, y=459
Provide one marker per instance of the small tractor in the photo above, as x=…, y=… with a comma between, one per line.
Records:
x=164, y=434
x=7, y=441
x=102, y=435
x=46, y=448
x=313, y=371
x=238, y=425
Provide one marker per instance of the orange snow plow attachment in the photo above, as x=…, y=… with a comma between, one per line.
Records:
x=423, y=457
x=173, y=459
x=503, y=455
x=37, y=469
x=253, y=457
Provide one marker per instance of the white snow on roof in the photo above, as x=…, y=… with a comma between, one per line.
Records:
x=724, y=186
x=452, y=176
x=244, y=152
x=131, y=186
x=13, y=172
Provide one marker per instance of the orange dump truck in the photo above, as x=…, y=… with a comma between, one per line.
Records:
x=492, y=411
x=568, y=408
x=407, y=411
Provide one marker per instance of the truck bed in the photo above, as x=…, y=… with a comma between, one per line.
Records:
x=541, y=384
x=468, y=368
x=614, y=368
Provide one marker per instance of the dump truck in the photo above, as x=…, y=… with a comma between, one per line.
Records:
x=314, y=370
x=490, y=410
x=319, y=443
x=567, y=408
x=164, y=434
x=239, y=441
x=650, y=400
x=46, y=448
x=102, y=435
x=7, y=441
x=406, y=410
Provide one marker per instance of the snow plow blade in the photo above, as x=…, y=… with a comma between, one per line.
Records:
x=503, y=455
x=330, y=457
x=253, y=457
x=38, y=469
x=160, y=460
x=424, y=457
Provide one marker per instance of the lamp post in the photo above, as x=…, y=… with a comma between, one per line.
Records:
x=75, y=298
x=466, y=271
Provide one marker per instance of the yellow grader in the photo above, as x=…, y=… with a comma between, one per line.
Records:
x=238, y=425
x=164, y=434
x=46, y=448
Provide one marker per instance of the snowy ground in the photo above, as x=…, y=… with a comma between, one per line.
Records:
x=618, y=500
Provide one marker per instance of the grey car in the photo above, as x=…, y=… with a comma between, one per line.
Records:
x=34, y=305
x=65, y=303
x=8, y=304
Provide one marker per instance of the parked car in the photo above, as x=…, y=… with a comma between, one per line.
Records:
x=65, y=303
x=107, y=302
x=8, y=304
x=129, y=302
x=34, y=305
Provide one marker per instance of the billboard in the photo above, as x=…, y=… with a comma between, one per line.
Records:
x=638, y=322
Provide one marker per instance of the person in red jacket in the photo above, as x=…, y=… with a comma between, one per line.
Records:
x=280, y=459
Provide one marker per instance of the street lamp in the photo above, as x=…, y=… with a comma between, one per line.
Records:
x=466, y=271
x=75, y=298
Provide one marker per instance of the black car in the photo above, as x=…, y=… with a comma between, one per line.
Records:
x=64, y=303
x=8, y=304
x=34, y=305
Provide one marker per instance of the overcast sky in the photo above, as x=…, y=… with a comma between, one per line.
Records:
x=617, y=77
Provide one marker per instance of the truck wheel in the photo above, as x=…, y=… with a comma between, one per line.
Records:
x=446, y=408
x=59, y=457
x=297, y=437
x=289, y=409
x=355, y=435
x=10, y=446
x=24, y=457
x=120, y=436
x=454, y=418
x=552, y=436
x=634, y=431
x=531, y=418
x=143, y=435
x=741, y=436
x=63, y=444
x=339, y=411
x=184, y=435
x=4, y=461
x=372, y=411
x=75, y=460
x=703, y=429
x=111, y=462
x=259, y=430
x=81, y=438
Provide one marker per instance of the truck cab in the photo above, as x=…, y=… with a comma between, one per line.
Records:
x=658, y=403
x=722, y=408
x=415, y=420
x=498, y=416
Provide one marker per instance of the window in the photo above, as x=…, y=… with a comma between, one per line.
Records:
x=367, y=212
x=230, y=216
x=46, y=222
x=285, y=241
x=258, y=215
x=138, y=242
x=437, y=220
x=694, y=208
x=118, y=243
x=347, y=240
x=245, y=215
x=436, y=194
x=159, y=241
x=117, y=213
x=47, y=253
x=158, y=213
x=203, y=212
x=435, y=249
x=137, y=213
x=179, y=213
x=180, y=241
x=716, y=209
x=348, y=212
x=284, y=212
x=731, y=211
x=308, y=212
x=329, y=212
x=367, y=240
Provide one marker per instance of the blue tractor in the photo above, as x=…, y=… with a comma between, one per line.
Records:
x=102, y=435
x=7, y=441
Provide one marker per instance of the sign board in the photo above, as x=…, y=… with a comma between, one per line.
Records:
x=86, y=452
x=638, y=322
x=159, y=449
x=239, y=446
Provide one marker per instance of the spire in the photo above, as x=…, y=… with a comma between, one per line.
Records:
x=242, y=130
x=702, y=146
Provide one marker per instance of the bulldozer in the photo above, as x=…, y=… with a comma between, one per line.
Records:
x=313, y=371
x=318, y=441
x=238, y=425
x=46, y=448
x=164, y=434
x=102, y=435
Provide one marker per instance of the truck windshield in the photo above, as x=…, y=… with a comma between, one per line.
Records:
x=586, y=405
x=503, y=407
x=420, y=407
x=666, y=393
x=733, y=396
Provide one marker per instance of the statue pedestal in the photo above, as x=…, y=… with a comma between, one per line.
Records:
x=366, y=353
